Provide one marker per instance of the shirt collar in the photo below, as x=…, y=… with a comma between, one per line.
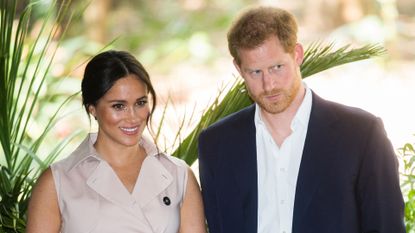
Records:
x=303, y=113
x=301, y=117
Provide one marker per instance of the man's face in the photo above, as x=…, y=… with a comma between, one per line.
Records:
x=272, y=76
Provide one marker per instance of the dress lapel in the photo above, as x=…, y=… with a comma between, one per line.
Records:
x=105, y=182
x=153, y=180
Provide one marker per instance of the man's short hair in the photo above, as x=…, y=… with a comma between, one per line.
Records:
x=257, y=24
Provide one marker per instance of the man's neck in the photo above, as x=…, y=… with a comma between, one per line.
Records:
x=279, y=124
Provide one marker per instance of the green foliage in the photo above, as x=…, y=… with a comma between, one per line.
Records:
x=175, y=26
x=407, y=156
x=24, y=67
x=317, y=58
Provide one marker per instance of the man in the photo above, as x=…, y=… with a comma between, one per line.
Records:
x=294, y=162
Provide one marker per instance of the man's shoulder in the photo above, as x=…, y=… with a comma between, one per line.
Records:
x=342, y=111
x=230, y=130
x=345, y=119
x=236, y=119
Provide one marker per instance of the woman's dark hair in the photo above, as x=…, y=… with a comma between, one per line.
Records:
x=105, y=69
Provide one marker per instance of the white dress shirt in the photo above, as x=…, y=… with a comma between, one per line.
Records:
x=278, y=169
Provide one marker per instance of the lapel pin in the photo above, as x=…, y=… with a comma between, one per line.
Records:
x=166, y=200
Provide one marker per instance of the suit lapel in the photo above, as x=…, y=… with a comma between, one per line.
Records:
x=244, y=160
x=315, y=160
x=244, y=167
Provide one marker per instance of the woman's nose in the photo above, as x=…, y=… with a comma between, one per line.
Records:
x=135, y=113
x=131, y=113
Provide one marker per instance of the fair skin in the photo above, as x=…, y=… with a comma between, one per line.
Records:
x=273, y=79
x=121, y=115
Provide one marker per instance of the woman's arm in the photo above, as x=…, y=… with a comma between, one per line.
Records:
x=192, y=216
x=43, y=212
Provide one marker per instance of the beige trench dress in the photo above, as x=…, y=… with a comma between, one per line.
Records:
x=92, y=199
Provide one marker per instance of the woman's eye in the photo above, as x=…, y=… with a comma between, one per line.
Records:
x=142, y=102
x=118, y=107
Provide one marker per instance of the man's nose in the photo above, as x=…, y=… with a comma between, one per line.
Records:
x=268, y=81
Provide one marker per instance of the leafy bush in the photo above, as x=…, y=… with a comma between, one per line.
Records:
x=24, y=67
x=407, y=156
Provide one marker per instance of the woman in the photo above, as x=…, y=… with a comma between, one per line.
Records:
x=116, y=180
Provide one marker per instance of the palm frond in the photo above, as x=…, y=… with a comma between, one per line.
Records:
x=24, y=68
x=318, y=58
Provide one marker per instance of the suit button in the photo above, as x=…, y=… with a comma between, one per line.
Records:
x=166, y=200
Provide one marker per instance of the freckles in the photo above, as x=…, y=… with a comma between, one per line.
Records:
x=114, y=116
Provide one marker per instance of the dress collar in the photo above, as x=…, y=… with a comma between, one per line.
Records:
x=86, y=151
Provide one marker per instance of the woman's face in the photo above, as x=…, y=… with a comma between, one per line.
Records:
x=122, y=112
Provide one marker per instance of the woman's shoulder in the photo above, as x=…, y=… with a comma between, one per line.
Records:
x=167, y=160
x=174, y=160
x=173, y=164
x=84, y=151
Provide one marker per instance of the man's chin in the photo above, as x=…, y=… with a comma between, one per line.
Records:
x=272, y=109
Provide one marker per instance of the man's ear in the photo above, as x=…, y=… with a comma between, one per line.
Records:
x=299, y=54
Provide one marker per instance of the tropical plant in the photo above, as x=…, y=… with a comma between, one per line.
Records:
x=407, y=156
x=24, y=67
x=317, y=58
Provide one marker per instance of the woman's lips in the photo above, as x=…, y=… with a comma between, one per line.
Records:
x=129, y=130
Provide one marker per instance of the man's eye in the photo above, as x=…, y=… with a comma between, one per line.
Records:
x=255, y=73
x=276, y=67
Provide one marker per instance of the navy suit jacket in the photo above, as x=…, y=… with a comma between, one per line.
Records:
x=348, y=180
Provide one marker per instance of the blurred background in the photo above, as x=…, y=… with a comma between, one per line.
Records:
x=182, y=43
